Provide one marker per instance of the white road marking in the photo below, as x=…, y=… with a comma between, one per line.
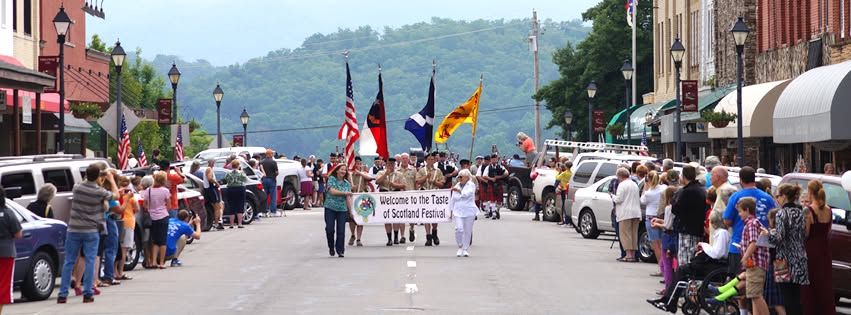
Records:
x=412, y=264
x=409, y=248
x=411, y=288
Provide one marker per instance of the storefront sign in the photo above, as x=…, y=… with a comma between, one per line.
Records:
x=238, y=141
x=599, y=121
x=49, y=65
x=689, y=96
x=164, y=111
x=421, y=206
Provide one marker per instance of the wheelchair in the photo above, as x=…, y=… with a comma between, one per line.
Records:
x=696, y=295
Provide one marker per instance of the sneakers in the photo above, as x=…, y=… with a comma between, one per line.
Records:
x=176, y=262
x=459, y=253
x=61, y=300
x=465, y=253
x=88, y=299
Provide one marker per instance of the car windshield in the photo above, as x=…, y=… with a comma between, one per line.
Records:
x=837, y=197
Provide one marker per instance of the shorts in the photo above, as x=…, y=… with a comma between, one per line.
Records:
x=128, y=239
x=159, y=231
x=755, y=282
x=146, y=235
x=321, y=188
x=653, y=234
x=7, y=269
x=734, y=263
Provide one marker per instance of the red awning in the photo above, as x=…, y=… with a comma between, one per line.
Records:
x=49, y=101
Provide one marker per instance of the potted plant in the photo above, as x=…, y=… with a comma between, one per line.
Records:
x=86, y=110
x=616, y=130
x=718, y=119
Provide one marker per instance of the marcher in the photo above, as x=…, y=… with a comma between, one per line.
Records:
x=235, y=179
x=337, y=208
x=406, y=175
x=41, y=205
x=360, y=184
x=429, y=177
x=628, y=213
x=495, y=174
x=690, y=209
x=10, y=229
x=788, y=233
x=269, y=181
x=179, y=231
x=157, y=199
x=464, y=210
x=387, y=180
x=816, y=296
x=651, y=198
x=86, y=214
x=305, y=175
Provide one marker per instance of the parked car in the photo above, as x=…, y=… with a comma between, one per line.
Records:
x=289, y=184
x=226, y=152
x=40, y=252
x=839, y=200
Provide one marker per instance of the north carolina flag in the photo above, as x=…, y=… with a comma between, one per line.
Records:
x=465, y=113
x=373, y=137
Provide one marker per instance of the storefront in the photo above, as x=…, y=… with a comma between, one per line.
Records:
x=813, y=111
x=16, y=106
x=696, y=144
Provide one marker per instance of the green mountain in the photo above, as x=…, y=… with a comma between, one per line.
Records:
x=296, y=97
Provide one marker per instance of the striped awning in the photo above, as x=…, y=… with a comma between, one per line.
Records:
x=814, y=106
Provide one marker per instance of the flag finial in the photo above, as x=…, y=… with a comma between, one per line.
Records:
x=346, y=54
x=379, y=68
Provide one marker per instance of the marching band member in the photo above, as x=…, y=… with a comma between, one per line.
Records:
x=476, y=171
x=388, y=180
x=407, y=175
x=429, y=178
x=495, y=175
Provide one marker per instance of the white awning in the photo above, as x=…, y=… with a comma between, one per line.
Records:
x=814, y=106
x=74, y=124
x=758, y=103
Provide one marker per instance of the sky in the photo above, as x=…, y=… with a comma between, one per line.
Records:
x=225, y=32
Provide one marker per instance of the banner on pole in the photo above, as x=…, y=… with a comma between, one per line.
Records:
x=49, y=65
x=599, y=121
x=26, y=109
x=689, y=96
x=164, y=111
x=419, y=206
x=238, y=141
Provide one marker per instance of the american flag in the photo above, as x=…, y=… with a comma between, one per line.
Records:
x=349, y=129
x=644, y=143
x=124, y=145
x=178, y=144
x=143, y=161
x=630, y=7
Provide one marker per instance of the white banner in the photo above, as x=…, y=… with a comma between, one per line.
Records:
x=26, y=109
x=420, y=206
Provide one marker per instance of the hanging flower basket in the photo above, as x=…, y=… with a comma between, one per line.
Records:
x=718, y=119
x=615, y=130
x=87, y=111
x=720, y=124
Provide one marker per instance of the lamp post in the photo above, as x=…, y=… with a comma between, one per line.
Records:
x=677, y=53
x=244, y=119
x=174, y=77
x=740, y=35
x=118, y=57
x=592, y=91
x=627, y=71
x=62, y=22
x=568, y=119
x=217, y=95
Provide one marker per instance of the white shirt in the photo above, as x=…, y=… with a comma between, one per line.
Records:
x=651, y=199
x=132, y=163
x=719, y=244
x=306, y=178
x=463, y=205
x=627, y=201
x=669, y=218
x=302, y=175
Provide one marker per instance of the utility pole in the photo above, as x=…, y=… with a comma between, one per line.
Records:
x=533, y=44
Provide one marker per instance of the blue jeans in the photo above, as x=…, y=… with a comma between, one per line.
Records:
x=110, y=249
x=75, y=241
x=335, y=222
x=270, y=187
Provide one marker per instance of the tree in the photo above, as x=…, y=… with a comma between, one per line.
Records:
x=97, y=44
x=599, y=57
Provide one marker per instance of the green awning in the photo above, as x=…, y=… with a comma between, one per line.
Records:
x=620, y=117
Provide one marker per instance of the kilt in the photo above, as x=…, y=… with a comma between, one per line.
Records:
x=496, y=192
x=484, y=192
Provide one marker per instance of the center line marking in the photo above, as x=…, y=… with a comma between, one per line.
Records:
x=409, y=248
x=412, y=264
x=411, y=288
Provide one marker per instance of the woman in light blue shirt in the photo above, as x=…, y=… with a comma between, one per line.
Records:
x=463, y=205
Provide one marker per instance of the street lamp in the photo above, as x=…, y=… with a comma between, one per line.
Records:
x=568, y=119
x=677, y=53
x=592, y=91
x=244, y=119
x=61, y=22
x=740, y=35
x=217, y=95
x=627, y=71
x=118, y=57
x=174, y=77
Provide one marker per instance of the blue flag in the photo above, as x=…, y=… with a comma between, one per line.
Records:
x=421, y=124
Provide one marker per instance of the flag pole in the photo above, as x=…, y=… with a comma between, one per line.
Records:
x=434, y=79
x=476, y=123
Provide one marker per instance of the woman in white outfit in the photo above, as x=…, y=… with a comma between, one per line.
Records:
x=463, y=206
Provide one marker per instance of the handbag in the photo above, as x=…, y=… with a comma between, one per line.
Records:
x=146, y=215
x=782, y=274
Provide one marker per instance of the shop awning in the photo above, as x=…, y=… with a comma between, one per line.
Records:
x=14, y=75
x=705, y=100
x=814, y=106
x=619, y=117
x=757, y=105
x=638, y=117
x=49, y=101
x=74, y=124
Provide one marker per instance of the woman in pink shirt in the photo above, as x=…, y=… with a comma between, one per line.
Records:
x=157, y=199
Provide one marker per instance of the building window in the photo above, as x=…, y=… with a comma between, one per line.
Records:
x=28, y=17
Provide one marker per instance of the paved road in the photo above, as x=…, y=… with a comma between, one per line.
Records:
x=281, y=265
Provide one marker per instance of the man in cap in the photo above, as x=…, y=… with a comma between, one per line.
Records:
x=388, y=180
x=407, y=175
x=428, y=178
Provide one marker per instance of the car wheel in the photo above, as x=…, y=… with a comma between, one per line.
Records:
x=645, y=247
x=250, y=209
x=549, y=204
x=516, y=201
x=588, y=224
x=40, y=279
x=134, y=253
x=290, y=197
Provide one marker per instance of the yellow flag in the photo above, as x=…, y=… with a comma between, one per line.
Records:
x=465, y=113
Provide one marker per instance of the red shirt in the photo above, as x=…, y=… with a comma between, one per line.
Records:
x=173, y=180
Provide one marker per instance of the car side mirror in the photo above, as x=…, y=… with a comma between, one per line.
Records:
x=13, y=192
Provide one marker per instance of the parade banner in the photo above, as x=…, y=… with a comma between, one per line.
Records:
x=164, y=111
x=49, y=65
x=419, y=206
x=689, y=96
